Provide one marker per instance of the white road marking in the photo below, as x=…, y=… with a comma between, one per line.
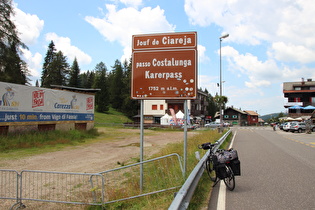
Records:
x=222, y=189
x=221, y=197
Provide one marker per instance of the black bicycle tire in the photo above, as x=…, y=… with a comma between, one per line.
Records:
x=229, y=181
x=210, y=169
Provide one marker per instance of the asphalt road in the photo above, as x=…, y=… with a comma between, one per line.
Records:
x=277, y=172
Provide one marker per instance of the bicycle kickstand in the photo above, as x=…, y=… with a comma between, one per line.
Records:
x=216, y=182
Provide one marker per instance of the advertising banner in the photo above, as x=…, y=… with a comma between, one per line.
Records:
x=21, y=103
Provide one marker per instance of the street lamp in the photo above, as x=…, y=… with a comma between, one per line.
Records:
x=221, y=111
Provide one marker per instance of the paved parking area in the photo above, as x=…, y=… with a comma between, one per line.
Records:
x=302, y=138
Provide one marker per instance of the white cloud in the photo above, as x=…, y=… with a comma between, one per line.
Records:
x=34, y=62
x=262, y=73
x=29, y=26
x=201, y=53
x=208, y=82
x=64, y=44
x=120, y=25
x=245, y=99
x=251, y=22
x=290, y=23
x=132, y=3
x=259, y=73
x=292, y=53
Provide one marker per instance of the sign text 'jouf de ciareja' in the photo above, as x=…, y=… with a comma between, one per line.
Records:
x=164, y=66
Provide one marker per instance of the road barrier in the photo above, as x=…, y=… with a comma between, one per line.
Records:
x=185, y=193
x=9, y=184
x=89, y=188
x=156, y=171
x=47, y=186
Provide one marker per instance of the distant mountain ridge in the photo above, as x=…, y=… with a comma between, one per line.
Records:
x=268, y=116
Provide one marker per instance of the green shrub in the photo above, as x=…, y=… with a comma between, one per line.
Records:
x=42, y=139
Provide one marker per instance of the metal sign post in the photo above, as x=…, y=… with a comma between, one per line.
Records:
x=141, y=144
x=185, y=136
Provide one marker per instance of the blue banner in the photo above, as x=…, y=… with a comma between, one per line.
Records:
x=43, y=116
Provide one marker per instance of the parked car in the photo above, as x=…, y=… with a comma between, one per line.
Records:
x=190, y=127
x=226, y=124
x=281, y=126
x=286, y=126
x=298, y=126
x=212, y=125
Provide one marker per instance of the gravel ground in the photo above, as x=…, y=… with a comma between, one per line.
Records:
x=91, y=158
x=96, y=157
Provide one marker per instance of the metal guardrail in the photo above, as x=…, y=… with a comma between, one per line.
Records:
x=187, y=190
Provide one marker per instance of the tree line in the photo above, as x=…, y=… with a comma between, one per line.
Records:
x=114, y=85
x=12, y=68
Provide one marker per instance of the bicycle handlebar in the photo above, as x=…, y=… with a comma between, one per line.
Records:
x=207, y=145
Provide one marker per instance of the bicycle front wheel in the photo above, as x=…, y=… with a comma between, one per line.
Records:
x=210, y=169
x=230, y=179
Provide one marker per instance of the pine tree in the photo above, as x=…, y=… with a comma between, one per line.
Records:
x=87, y=79
x=61, y=69
x=74, y=80
x=12, y=68
x=116, y=86
x=90, y=79
x=50, y=56
x=102, y=96
x=211, y=108
x=83, y=80
x=55, y=67
x=129, y=107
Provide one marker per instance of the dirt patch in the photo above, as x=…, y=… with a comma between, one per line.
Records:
x=96, y=157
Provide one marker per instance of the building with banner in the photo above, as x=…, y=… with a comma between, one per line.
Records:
x=154, y=110
x=27, y=108
x=300, y=98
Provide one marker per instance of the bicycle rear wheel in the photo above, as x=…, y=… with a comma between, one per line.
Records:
x=230, y=179
x=210, y=169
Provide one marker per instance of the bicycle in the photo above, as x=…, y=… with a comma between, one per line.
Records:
x=218, y=171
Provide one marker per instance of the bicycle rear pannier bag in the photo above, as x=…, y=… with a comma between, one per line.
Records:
x=223, y=157
x=236, y=167
x=220, y=171
x=233, y=154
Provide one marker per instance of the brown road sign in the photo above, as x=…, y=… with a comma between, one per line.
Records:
x=164, y=41
x=164, y=74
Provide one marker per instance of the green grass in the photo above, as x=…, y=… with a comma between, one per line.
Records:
x=163, y=200
x=24, y=144
x=19, y=145
x=111, y=118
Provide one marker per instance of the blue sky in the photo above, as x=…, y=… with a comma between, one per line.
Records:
x=270, y=42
